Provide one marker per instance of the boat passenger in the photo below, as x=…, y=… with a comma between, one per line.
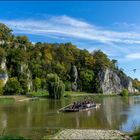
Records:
x=88, y=105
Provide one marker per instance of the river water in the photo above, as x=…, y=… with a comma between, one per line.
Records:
x=36, y=119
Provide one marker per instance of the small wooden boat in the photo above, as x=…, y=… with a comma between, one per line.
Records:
x=69, y=108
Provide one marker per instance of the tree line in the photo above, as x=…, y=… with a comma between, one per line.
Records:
x=31, y=67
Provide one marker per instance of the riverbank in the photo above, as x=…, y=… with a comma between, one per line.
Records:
x=84, y=94
x=93, y=134
x=14, y=97
x=67, y=94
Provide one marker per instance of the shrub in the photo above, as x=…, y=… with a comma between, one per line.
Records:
x=136, y=134
x=55, y=86
x=124, y=92
x=12, y=86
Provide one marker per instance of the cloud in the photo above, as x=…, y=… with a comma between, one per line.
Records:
x=133, y=56
x=125, y=25
x=68, y=27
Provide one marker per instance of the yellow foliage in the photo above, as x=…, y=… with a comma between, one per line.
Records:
x=1, y=87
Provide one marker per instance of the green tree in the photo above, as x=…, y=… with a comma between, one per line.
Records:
x=115, y=63
x=37, y=83
x=86, y=77
x=55, y=86
x=12, y=87
x=68, y=86
x=124, y=92
x=5, y=33
x=101, y=60
x=24, y=86
x=136, y=134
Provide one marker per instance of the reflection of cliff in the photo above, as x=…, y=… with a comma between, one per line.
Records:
x=112, y=108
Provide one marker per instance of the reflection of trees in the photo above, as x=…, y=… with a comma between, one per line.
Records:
x=34, y=114
x=134, y=100
x=107, y=116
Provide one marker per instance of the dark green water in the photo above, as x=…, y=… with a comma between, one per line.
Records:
x=35, y=119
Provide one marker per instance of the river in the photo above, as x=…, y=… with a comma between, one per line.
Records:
x=36, y=119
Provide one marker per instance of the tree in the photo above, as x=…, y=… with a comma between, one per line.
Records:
x=24, y=86
x=1, y=87
x=12, y=87
x=136, y=84
x=115, y=63
x=68, y=86
x=2, y=54
x=101, y=60
x=55, y=86
x=37, y=83
x=86, y=77
x=5, y=33
x=124, y=92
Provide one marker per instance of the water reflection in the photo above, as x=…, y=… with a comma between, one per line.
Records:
x=26, y=117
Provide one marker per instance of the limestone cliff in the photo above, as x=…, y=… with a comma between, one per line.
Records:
x=74, y=76
x=3, y=71
x=114, y=81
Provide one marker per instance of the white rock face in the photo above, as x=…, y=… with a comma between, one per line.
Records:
x=3, y=76
x=3, y=64
x=75, y=76
x=113, y=82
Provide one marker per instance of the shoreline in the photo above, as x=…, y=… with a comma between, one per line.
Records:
x=68, y=94
x=16, y=98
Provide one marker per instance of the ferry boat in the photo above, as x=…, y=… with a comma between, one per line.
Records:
x=83, y=107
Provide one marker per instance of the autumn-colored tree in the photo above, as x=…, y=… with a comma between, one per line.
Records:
x=1, y=87
x=101, y=60
x=5, y=33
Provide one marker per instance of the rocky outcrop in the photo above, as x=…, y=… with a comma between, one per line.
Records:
x=74, y=76
x=3, y=72
x=4, y=77
x=114, y=81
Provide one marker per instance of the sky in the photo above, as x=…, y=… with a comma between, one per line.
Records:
x=111, y=26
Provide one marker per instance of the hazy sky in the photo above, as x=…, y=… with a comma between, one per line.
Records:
x=113, y=27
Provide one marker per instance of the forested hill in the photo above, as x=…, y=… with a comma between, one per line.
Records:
x=28, y=65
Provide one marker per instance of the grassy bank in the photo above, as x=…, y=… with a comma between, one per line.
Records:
x=84, y=94
x=38, y=94
x=12, y=137
x=68, y=94
x=72, y=94
x=45, y=94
